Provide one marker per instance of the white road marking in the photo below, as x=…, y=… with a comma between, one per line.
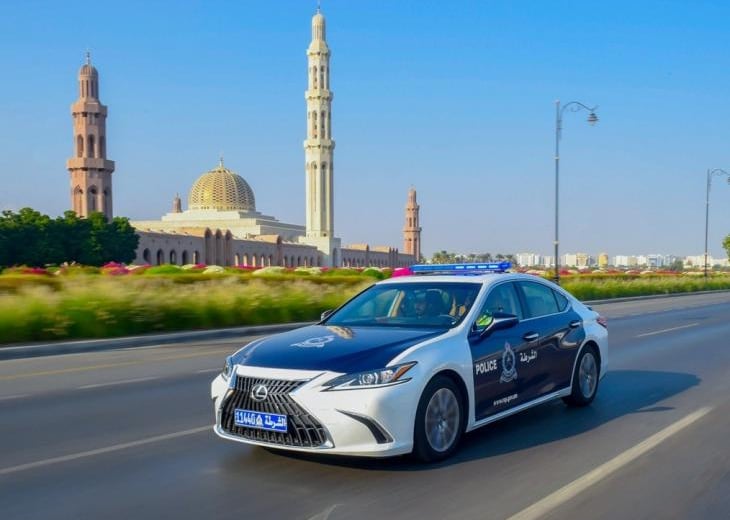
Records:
x=208, y=370
x=569, y=491
x=667, y=330
x=100, y=451
x=114, y=383
x=16, y=396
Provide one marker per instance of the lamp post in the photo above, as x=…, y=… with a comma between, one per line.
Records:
x=573, y=106
x=710, y=174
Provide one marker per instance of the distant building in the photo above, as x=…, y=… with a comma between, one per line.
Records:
x=529, y=259
x=603, y=260
x=221, y=224
x=569, y=260
x=583, y=260
x=699, y=261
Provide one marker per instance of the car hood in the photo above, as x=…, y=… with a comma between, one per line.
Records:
x=334, y=348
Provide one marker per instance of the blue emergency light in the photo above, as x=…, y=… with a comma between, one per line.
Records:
x=474, y=269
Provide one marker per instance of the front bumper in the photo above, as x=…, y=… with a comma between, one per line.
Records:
x=375, y=422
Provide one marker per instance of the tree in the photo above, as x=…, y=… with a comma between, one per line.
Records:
x=30, y=238
x=726, y=245
x=677, y=265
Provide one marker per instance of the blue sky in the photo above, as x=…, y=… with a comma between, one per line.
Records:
x=454, y=98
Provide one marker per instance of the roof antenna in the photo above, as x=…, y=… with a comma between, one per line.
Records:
x=319, y=5
x=88, y=56
x=220, y=163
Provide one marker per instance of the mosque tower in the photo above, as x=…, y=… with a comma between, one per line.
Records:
x=412, y=228
x=319, y=147
x=91, y=172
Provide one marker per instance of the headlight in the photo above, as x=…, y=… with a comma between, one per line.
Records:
x=227, y=369
x=372, y=378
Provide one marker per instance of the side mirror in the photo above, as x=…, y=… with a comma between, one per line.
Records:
x=500, y=321
x=326, y=314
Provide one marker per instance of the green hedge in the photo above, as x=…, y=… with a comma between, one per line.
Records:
x=80, y=303
x=620, y=288
x=100, y=307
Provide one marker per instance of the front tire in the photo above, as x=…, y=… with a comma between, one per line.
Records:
x=585, y=378
x=439, y=420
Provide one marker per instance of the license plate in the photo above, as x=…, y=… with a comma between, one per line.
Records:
x=261, y=421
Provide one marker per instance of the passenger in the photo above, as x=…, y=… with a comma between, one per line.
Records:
x=462, y=301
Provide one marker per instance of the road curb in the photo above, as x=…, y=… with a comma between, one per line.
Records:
x=652, y=297
x=97, y=345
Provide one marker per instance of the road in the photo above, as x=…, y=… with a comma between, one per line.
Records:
x=126, y=434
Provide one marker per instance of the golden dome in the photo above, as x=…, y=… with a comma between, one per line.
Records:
x=221, y=189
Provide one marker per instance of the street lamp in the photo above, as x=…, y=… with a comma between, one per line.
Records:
x=573, y=106
x=710, y=174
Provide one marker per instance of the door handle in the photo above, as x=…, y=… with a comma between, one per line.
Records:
x=575, y=324
x=531, y=336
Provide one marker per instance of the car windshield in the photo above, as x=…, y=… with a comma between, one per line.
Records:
x=422, y=304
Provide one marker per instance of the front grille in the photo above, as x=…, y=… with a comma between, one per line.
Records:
x=303, y=430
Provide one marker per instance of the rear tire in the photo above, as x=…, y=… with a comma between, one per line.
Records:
x=585, y=378
x=440, y=420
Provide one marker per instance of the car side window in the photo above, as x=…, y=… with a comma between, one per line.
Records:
x=502, y=298
x=562, y=301
x=540, y=299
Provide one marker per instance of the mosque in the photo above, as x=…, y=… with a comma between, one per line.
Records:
x=221, y=225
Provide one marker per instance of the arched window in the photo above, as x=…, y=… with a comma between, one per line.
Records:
x=79, y=146
x=323, y=120
x=315, y=78
x=185, y=259
x=321, y=76
x=196, y=257
x=92, y=151
x=160, y=257
x=102, y=147
x=263, y=261
x=314, y=124
x=78, y=199
x=299, y=261
x=237, y=259
x=173, y=257
x=245, y=259
x=93, y=195
x=146, y=256
x=271, y=260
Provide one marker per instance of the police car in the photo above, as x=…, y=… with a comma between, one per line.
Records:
x=412, y=363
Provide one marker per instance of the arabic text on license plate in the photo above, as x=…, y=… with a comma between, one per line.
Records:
x=262, y=421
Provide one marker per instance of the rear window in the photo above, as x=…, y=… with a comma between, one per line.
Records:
x=562, y=301
x=540, y=299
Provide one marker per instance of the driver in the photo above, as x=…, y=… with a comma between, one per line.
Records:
x=419, y=305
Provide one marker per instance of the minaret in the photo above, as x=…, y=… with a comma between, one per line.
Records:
x=91, y=172
x=177, y=204
x=319, y=146
x=412, y=228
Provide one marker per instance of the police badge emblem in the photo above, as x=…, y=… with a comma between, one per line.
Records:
x=314, y=342
x=509, y=364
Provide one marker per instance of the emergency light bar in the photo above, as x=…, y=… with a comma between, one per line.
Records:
x=475, y=269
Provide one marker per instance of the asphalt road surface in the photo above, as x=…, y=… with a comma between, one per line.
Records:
x=127, y=434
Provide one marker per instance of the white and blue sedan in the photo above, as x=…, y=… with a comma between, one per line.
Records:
x=412, y=363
